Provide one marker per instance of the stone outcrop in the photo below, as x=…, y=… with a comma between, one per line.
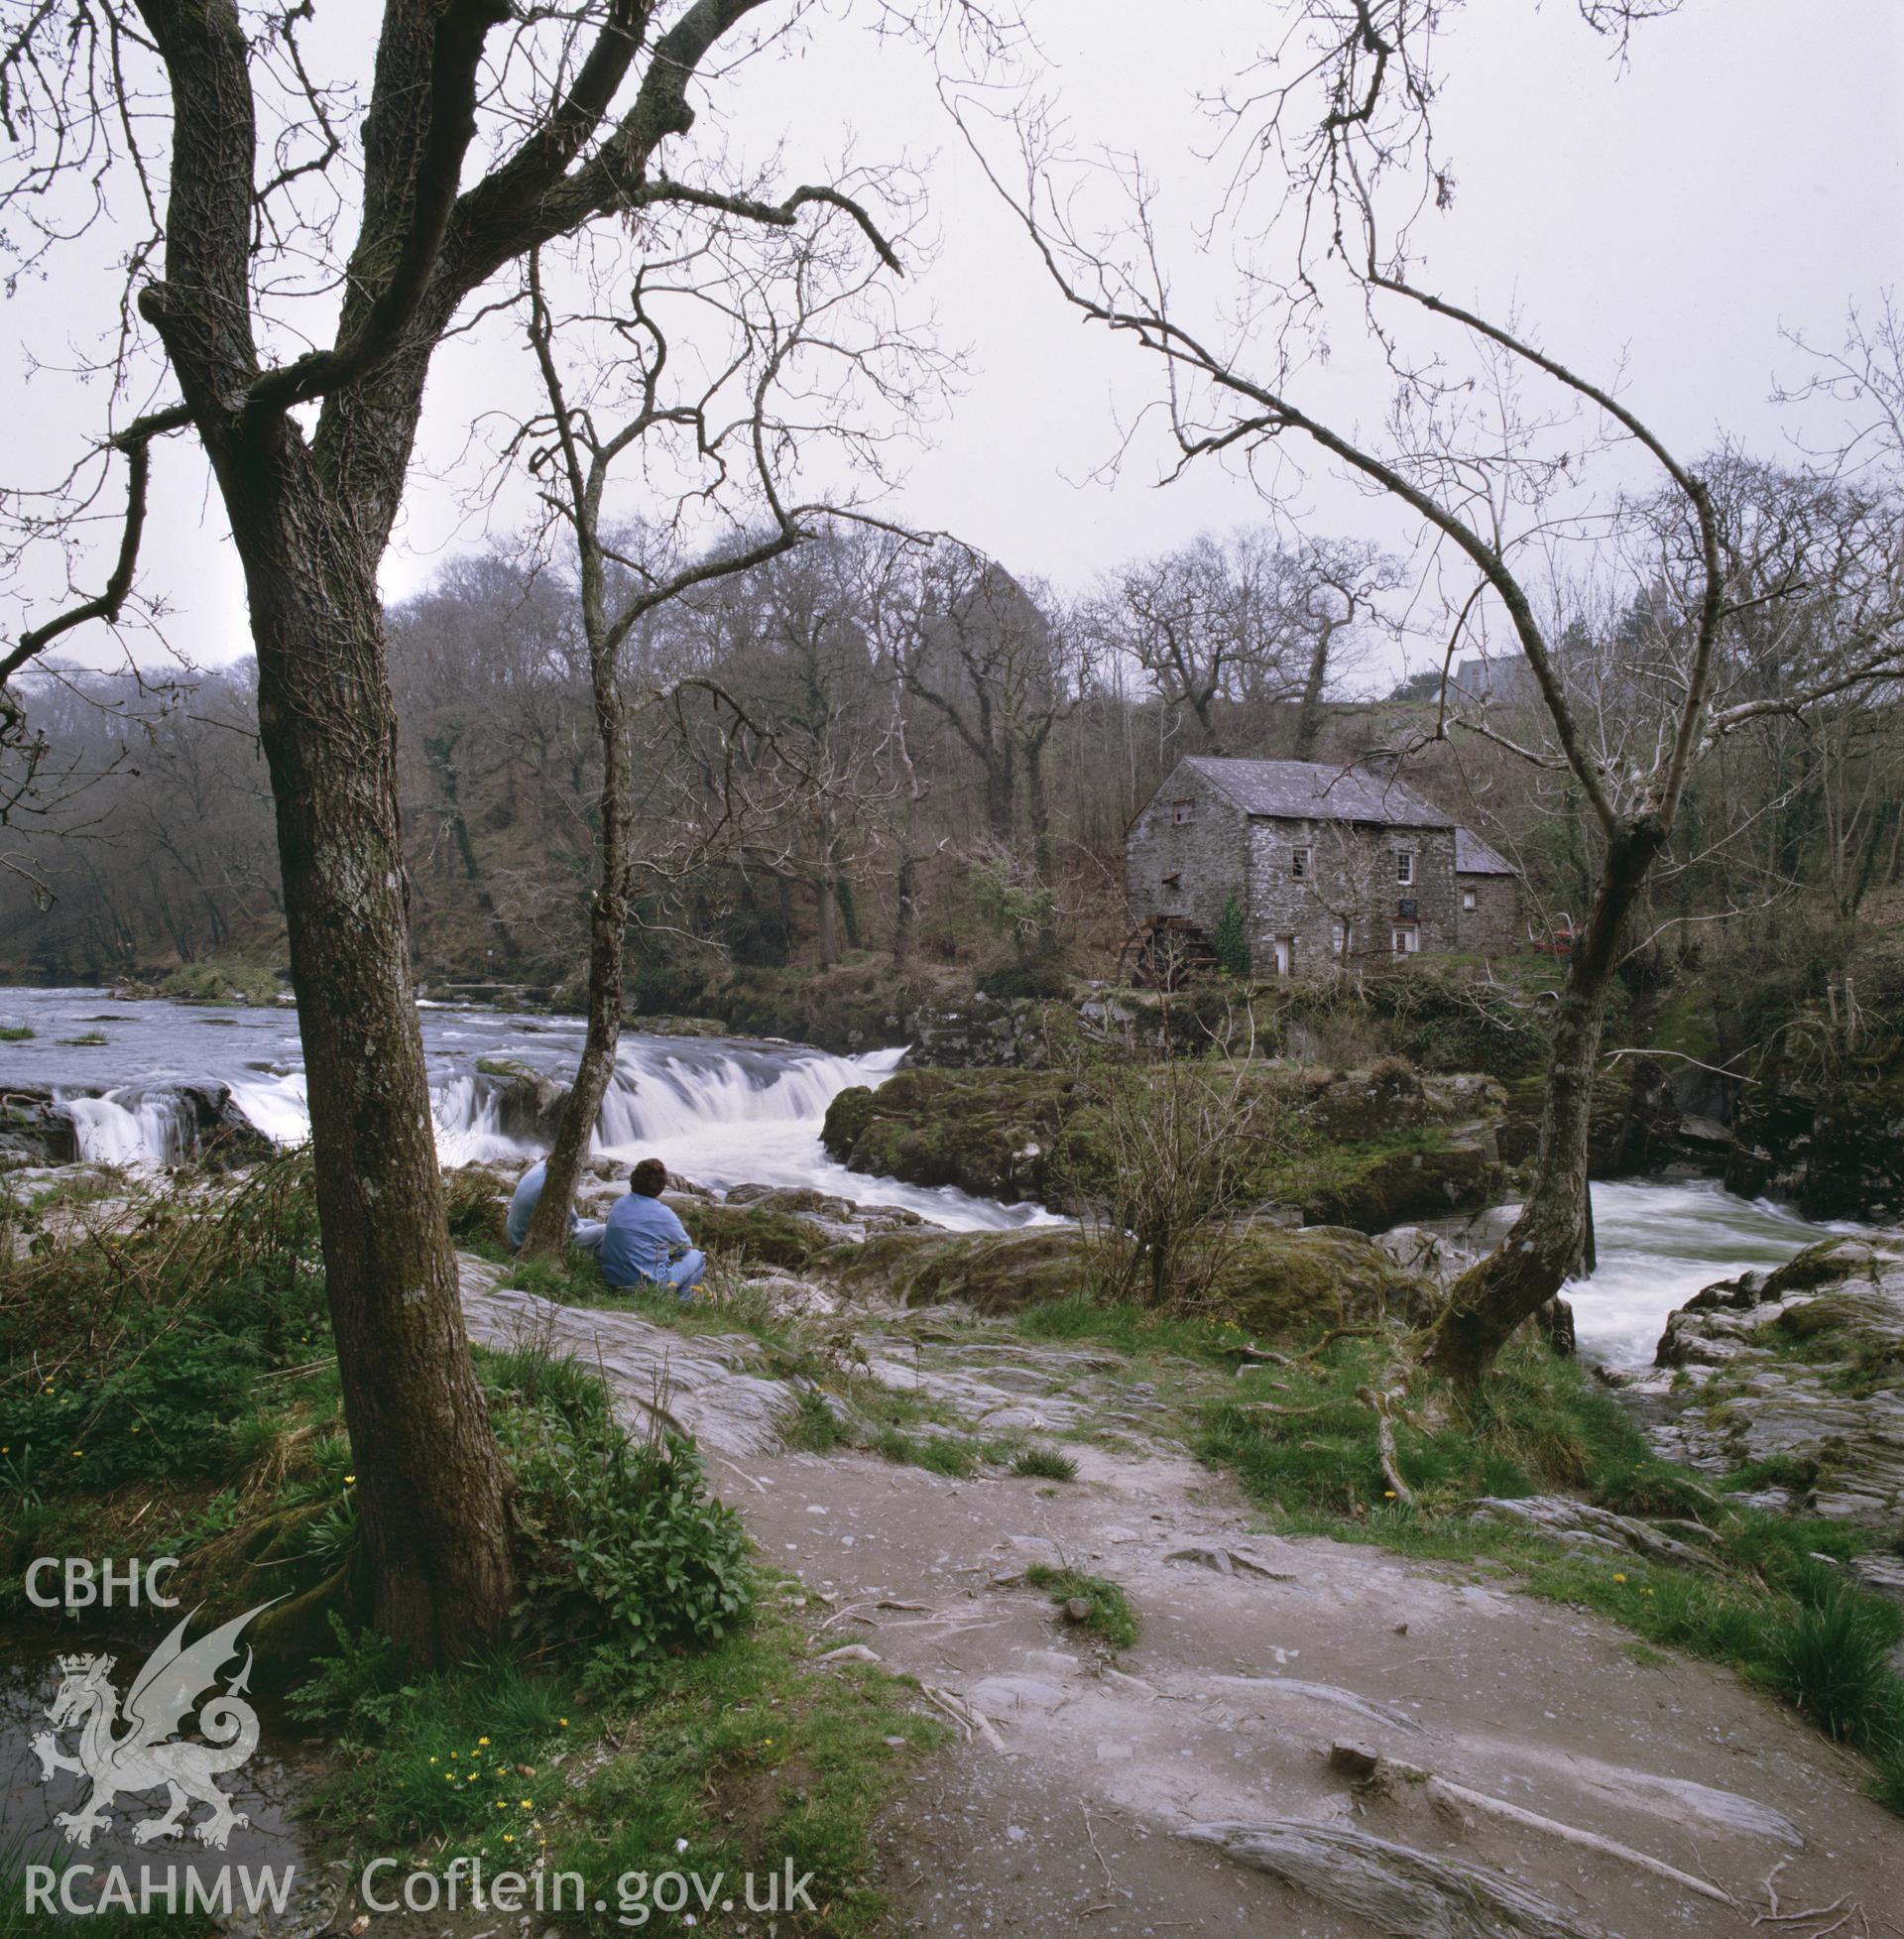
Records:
x=34, y=1129
x=528, y=1103
x=1797, y=1379
x=1837, y=1152
x=1362, y=1148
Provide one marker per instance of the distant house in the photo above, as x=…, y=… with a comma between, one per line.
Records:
x=1488, y=898
x=1328, y=865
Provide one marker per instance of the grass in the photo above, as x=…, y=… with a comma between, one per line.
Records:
x=1109, y=1616
x=17, y=1032
x=1138, y=1331
x=1045, y=1464
x=933, y=1452
x=743, y=1758
x=1782, y=1609
x=85, y=1040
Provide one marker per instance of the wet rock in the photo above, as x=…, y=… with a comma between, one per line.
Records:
x=527, y=1103
x=34, y=1129
x=222, y=1137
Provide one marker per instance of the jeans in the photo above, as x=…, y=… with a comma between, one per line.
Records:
x=684, y=1273
x=583, y=1233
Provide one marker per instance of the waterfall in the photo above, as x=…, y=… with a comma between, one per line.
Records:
x=664, y=1092
x=109, y=1133
x=139, y=1124
x=717, y=1110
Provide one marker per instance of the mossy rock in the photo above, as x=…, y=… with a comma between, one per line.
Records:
x=753, y=1234
x=1830, y=1262
x=1410, y=1183
x=1276, y=1281
x=989, y=1133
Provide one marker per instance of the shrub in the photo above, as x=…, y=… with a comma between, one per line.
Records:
x=477, y=1215
x=1043, y=978
x=626, y=1555
x=1228, y=942
x=131, y=1348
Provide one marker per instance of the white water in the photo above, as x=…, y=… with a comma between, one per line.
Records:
x=730, y=1111
x=1657, y=1245
x=719, y=1111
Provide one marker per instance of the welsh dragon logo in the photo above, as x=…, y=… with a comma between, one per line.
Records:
x=149, y=1752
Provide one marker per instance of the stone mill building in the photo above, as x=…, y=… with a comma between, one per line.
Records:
x=1329, y=865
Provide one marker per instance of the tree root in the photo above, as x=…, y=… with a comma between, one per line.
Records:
x=1446, y=1790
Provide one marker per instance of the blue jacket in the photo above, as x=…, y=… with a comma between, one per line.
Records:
x=522, y=1207
x=641, y=1232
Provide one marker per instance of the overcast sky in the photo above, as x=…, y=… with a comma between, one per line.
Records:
x=1739, y=177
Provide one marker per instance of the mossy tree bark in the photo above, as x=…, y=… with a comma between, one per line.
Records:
x=1545, y=1243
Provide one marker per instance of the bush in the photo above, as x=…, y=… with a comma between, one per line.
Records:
x=1228, y=942
x=626, y=1555
x=477, y=1215
x=131, y=1348
x=1043, y=978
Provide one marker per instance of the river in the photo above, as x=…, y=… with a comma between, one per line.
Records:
x=726, y=1111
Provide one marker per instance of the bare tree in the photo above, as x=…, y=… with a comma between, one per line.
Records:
x=475, y=150
x=796, y=357
x=1232, y=630
x=1481, y=473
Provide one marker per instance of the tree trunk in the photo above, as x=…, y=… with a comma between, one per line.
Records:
x=548, y=1236
x=1309, y=712
x=608, y=920
x=1547, y=1242
x=826, y=892
x=905, y=909
x=432, y=1484
x=1038, y=817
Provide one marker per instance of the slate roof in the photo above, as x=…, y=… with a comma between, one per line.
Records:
x=1318, y=790
x=1473, y=856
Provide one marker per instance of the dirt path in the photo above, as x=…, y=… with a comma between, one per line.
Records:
x=1064, y=1802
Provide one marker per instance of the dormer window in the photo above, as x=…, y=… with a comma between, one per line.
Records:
x=1299, y=864
x=1182, y=812
x=1404, y=864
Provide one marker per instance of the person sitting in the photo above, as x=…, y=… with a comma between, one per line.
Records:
x=646, y=1244
x=585, y=1233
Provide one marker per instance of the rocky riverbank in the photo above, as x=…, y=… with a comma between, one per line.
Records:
x=1793, y=1381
